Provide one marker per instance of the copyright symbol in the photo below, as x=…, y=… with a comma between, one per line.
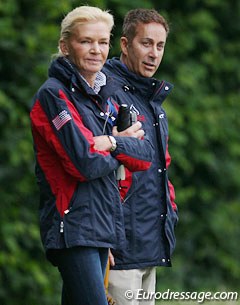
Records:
x=128, y=294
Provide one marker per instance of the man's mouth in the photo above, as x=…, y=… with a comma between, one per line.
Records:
x=149, y=65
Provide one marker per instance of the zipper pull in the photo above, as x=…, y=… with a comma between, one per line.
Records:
x=61, y=227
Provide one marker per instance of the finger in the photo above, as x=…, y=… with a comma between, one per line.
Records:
x=111, y=258
x=114, y=131
x=140, y=133
x=135, y=127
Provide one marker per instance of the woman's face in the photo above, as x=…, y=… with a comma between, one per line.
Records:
x=88, y=48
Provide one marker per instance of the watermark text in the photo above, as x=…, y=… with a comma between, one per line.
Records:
x=169, y=295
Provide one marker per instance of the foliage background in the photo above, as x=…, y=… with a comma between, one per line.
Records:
x=202, y=60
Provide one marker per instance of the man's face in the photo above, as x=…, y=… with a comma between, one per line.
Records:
x=144, y=54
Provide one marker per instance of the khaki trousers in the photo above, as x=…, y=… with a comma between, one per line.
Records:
x=133, y=287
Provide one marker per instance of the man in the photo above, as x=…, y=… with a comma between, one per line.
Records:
x=148, y=197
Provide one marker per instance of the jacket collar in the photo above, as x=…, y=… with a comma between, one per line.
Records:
x=146, y=86
x=65, y=71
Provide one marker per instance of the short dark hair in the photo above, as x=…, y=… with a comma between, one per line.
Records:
x=140, y=15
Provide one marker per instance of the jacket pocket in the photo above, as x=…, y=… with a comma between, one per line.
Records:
x=79, y=217
x=171, y=222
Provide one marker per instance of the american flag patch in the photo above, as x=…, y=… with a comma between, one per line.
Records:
x=61, y=119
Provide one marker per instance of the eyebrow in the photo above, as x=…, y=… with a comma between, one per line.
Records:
x=150, y=39
x=89, y=37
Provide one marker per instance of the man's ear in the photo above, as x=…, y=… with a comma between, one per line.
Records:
x=124, y=45
x=63, y=47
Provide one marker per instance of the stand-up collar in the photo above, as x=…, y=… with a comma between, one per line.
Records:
x=64, y=70
x=146, y=85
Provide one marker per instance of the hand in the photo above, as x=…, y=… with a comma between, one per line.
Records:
x=111, y=258
x=134, y=131
x=102, y=143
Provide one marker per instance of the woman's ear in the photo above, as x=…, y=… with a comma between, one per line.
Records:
x=63, y=47
x=124, y=45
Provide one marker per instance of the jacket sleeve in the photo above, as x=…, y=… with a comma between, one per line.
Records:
x=56, y=122
x=170, y=185
x=134, y=154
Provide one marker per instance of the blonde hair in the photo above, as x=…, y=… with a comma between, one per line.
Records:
x=81, y=15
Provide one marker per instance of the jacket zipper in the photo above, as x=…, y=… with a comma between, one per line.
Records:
x=61, y=227
x=62, y=223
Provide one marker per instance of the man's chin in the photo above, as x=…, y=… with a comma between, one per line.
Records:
x=148, y=73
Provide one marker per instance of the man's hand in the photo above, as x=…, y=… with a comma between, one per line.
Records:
x=111, y=258
x=134, y=131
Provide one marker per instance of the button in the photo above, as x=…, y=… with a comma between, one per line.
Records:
x=162, y=215
x=153, y=84
x=73, y=89
x=159, y=170
x=161, y=116
x=163, y=260
x=102, y=113
x=166, y=88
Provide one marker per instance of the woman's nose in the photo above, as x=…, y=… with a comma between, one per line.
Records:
x=95, y=47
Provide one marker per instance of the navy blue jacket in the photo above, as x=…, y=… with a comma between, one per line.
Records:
x=79, y=198
x=148, y=197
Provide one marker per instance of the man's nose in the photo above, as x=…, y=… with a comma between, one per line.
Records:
x=154, y=53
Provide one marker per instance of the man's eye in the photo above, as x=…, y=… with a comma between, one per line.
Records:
x=146, y=43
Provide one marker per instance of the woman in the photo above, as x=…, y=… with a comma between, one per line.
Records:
x=80, y=210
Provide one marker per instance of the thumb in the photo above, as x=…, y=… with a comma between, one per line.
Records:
x=114, y=131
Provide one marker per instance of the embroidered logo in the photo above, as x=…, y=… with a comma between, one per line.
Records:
x=140, y=117
x=61, y=119
x=134, y=109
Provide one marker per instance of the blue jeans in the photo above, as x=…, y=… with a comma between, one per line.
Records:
x=82, y=270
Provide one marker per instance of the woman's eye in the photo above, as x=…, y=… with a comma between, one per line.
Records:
x=160, y=47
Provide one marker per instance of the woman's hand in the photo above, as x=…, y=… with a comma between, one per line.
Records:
x=134, y=131
x=102, y=143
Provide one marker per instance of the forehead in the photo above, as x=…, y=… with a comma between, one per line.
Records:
x=98, y=29
x=154, y=31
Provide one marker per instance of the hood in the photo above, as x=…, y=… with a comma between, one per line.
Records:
x=62, y=69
